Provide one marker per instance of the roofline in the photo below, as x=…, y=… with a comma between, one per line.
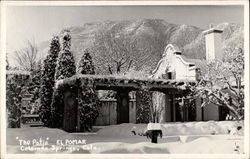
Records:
x=183, y=61
x=158, y=65
x=212, y=30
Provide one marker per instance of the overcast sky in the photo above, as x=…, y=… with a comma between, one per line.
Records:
x=39, y=23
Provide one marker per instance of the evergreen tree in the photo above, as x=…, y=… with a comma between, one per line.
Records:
x=48, y=80
x=34, y=89
x=65, y=68
x=88, y=102
x=85, y=64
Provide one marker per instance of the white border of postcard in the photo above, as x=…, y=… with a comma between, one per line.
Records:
x=4, y=4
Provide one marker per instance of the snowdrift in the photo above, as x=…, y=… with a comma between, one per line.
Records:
x=177, y=128
x=200, y=137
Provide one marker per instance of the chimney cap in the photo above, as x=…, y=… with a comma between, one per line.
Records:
x=212, y=30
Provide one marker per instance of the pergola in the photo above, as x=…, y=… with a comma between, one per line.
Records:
x=122, y=85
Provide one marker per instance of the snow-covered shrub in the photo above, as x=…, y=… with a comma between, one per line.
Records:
x=48, y=80
x=88, y=102
x=65, y=67
x=15, y=87
x=143, y=104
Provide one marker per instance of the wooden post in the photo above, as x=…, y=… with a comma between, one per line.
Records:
x=181, y=103
x=174, y=108
x=163, y=104
x=154, y=131
x=198, y=109
x=154, y=136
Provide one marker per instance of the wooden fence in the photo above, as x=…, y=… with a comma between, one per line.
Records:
x=108, y=114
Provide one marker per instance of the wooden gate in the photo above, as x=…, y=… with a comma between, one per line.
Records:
x=70, y=112
x=107, y=112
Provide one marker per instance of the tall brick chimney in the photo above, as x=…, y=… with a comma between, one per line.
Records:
x=213, y=43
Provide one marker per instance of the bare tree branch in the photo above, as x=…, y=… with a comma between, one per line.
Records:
x=27, y=58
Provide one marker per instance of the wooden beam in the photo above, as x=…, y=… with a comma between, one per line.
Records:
x=115, y=83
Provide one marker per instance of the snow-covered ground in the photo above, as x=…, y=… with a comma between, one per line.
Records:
x=190, y=137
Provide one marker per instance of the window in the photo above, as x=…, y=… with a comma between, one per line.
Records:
x=169, y=75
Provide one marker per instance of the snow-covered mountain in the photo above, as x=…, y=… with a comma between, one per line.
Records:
x=151, y=33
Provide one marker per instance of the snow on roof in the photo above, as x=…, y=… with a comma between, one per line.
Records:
x=174, y=47
x=121, y=81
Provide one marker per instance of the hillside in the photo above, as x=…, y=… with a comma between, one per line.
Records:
x=148, y=36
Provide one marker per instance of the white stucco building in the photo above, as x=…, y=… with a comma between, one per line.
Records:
x=174, y=65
